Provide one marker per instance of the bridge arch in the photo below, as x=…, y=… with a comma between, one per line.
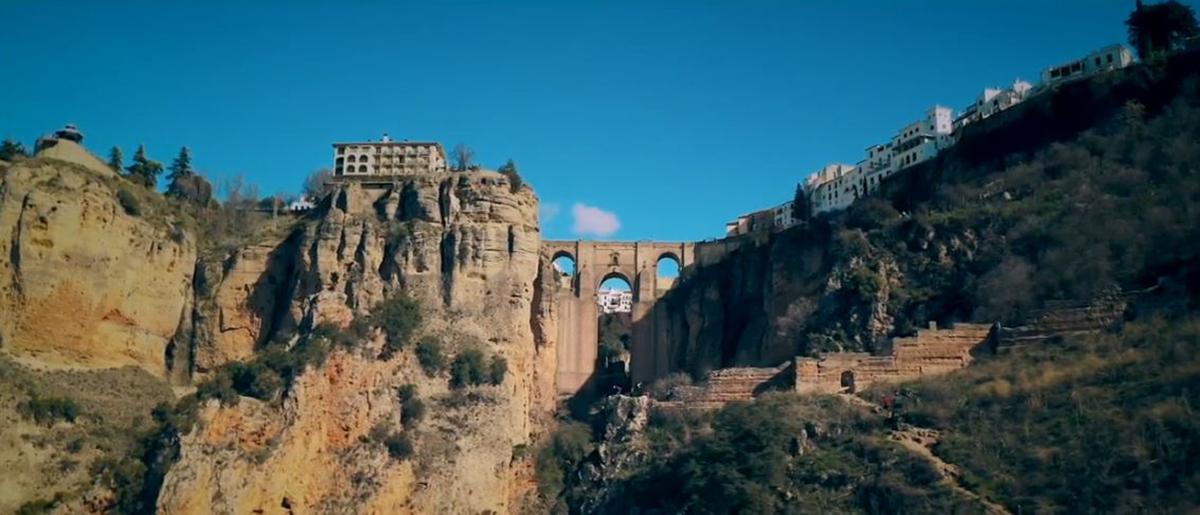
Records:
x=577, y=310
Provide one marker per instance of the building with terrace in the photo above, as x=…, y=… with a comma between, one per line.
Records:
x=387, y=157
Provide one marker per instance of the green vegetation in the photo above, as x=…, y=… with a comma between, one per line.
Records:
x=1157, y=29
x=781, y=454
x=429, y=354
x=398, y=444
x=10, y=150
x=144, y=171
x=472, y=368
x=398, y=316
x=48, y=410
x=116, y=159
x=560, y=454
x=412, y=409
x=1103, y=423
x=129, y=202
x=509, y=171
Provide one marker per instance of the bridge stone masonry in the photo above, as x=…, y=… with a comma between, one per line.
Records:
x=577, y=312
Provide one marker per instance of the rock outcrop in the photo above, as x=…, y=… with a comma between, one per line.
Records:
x=85, y=283
x=464, y=245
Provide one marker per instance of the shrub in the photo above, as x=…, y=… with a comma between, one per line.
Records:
x=254, y=379
x=51, y=409
x=398, y=316
x=40, y=506
x=129, y=202
x=497, y=370
x=220, y=387
x=468, y=369
x=560, y=454
x=429, y=354
x=664, y=389
x=412, y=409
x=398, y=445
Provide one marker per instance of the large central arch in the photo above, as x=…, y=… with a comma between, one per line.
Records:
x=576, y=309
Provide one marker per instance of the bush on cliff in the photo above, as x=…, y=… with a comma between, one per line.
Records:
x=412, y=409
x=48, y=410
x=398, y=316
x=468, y=368
x=429, y=355
x=561, y=453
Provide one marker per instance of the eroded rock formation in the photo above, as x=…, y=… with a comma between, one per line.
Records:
x=82, y=283
x=466, y=246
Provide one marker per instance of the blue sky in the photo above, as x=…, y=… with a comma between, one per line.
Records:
x=648, y=120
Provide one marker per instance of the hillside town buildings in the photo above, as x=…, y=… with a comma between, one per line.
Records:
x=836, y=186
x=387, y=157
x=615, y=301
x=1112, y=57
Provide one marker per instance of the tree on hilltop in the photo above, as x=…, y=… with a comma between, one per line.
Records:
x=144, y=171
x=318, y=184
x=12, y=149
x=1157, y=29
x=509, y=170
x=116, y=160
x=185, y=183
x=462, y=158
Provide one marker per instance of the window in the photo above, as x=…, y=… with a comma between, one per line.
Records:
x=1110, y=59
x=1097, y=61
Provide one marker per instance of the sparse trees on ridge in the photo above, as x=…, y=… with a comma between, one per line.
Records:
x=12, y=149
x=462, y=158
x=116, y=160
x=144, y=171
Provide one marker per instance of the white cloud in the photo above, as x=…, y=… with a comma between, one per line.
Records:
x=591, y=220
x=549, y=212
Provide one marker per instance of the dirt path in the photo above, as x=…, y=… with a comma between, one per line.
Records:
x=920, y=441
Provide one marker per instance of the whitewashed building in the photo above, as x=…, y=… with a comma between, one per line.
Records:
x=921, y=140
x=831, y=188
x=1112, y=57
x=615, y=301
x=992, y=101
x=784, y=215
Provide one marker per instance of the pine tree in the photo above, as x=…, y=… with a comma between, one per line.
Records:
x=12, y=149
x=181, y=174
x=144, y=171
x=116, y=159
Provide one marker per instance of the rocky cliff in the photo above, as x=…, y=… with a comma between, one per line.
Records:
x=97, y=273
x=466, y=246
x=83, y=283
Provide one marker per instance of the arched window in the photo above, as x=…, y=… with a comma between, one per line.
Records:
x=353, y=159
x=362, y=168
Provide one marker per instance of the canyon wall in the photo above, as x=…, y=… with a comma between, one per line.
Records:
x=464, y=245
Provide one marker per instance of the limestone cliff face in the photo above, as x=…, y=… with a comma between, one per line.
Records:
x=466, y=246
x=84, y=283
x=767, y=301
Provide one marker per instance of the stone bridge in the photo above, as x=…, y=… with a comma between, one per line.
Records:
x=575, y=303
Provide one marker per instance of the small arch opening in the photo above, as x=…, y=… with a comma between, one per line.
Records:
x=614, y=333
x=362, y=168
x=848, y=381
x=563, y=265
x=667, y=266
